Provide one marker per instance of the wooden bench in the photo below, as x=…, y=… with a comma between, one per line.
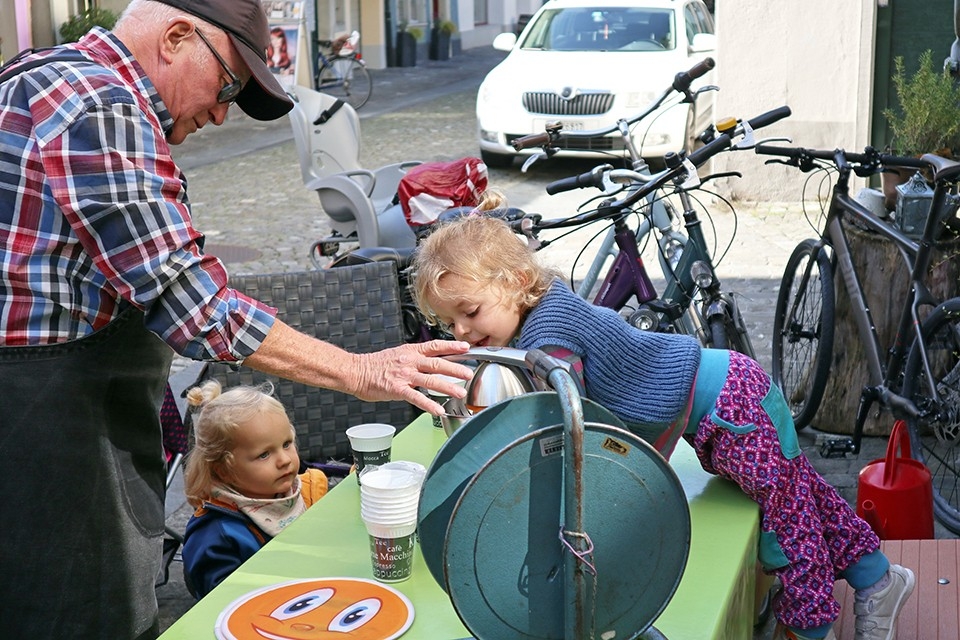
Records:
x=933, y=610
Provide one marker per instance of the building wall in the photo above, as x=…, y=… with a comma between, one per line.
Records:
x=364, y=15
x=8, y=30
x=817, y=57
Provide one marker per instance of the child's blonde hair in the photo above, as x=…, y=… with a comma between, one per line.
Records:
x=216, y=418
x=484, y=250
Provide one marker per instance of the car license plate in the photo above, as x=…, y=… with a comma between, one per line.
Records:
x=568, y=125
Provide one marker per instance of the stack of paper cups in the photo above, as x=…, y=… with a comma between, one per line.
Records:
x=389, y=495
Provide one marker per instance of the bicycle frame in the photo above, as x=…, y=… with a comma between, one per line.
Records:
x=660, y=216
x=670, y=242
x=884, y=376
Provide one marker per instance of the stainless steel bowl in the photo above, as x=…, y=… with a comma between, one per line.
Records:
x=454, y=416
x=493, y=382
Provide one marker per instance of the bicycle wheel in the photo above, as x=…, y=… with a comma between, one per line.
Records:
x=803, y=331
x=346, y=79
x=728, y=331
x=935, y=435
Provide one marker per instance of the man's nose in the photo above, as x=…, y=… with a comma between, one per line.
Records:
x=219, y=113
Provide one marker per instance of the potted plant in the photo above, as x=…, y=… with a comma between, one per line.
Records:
x=440, y=36
x=78, y=24
x=928, y=117
x=407, y=38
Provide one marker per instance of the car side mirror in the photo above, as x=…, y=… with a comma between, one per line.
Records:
x=703, y=43
x=505, y=41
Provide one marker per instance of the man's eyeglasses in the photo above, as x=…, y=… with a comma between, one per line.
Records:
x=229, y=92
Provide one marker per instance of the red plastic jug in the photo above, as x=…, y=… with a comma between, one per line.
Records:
x=895, y=494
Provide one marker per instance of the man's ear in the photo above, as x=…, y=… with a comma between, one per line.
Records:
x=171, y=38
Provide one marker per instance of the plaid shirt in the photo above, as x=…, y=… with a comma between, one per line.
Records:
x=94, y=214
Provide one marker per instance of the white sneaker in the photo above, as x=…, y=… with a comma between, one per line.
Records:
x=877, y=614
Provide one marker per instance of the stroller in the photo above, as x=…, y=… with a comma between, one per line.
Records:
x=175, y=446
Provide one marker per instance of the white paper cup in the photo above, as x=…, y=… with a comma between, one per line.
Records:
x=407, y=465
x=383, y=519
x=371, y=444
x=391, y=482
x=391, y=550
x=389, y=503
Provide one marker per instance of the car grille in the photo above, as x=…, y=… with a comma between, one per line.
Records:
x=584, y=104
x=604, y=143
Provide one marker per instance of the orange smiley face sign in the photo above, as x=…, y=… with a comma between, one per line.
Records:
x=321, y=609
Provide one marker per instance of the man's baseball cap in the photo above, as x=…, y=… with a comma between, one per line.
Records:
x=246, y=23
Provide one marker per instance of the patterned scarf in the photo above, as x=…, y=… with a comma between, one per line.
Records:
x=272, y=515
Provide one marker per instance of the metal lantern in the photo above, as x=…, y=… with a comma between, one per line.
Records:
x=914, y=198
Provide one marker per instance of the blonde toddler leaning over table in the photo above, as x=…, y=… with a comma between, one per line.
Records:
x=242, y=476
x=479, y=280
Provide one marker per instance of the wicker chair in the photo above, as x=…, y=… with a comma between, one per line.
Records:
x=357, y=308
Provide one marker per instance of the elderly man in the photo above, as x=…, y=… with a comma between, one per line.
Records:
x=103, y=277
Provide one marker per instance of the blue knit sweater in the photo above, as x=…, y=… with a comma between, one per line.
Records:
x=642, y=377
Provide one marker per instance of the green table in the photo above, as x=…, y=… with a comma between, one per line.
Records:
x=715, y=599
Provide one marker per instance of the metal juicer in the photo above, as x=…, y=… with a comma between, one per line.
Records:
x=543, y=517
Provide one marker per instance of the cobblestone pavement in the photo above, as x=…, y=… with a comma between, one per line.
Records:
x=249, y=200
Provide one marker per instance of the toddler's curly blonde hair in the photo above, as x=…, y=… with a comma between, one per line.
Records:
x=216, y=416
x=484, y=250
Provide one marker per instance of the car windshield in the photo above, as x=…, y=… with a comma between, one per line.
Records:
x=602, y=29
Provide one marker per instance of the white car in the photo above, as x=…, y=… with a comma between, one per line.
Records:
x=587, y=63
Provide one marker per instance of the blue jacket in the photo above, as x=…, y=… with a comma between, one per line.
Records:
x=218, y=539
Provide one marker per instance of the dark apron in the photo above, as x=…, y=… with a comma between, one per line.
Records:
x=82, y=484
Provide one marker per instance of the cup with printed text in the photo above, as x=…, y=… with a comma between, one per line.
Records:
x=371, y=444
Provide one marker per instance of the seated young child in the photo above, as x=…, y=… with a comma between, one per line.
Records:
x=476, y=278
x=242, y=477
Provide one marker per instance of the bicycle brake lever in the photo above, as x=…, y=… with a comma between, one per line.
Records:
x=704, y=89
x=748, y=141
x=540, y=155
x=692, y=179
x=774, y=139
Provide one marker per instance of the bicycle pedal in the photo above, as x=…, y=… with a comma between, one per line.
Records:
x=834, y=446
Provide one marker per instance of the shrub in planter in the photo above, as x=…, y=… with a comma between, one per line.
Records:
x=407, y=38
x=78, y=24
x=928, y=118
x=440, y=36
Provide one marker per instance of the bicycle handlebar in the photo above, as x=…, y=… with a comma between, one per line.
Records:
x=803, y=158
x=677, y=167
x=554, y=130
x=682, y=80
x=592, y=178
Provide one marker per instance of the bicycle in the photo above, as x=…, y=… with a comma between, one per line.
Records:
x=343, y=74
x=662, y=213
x=919, y=381
x=693, y=302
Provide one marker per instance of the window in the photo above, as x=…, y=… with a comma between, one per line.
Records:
x=697, y=19
x=411, y=12
x=481, y=12
x=609, y=29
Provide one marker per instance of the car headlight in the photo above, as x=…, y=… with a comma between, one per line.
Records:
x=486, y=95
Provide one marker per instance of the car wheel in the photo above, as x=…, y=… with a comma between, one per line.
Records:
x=496, y=160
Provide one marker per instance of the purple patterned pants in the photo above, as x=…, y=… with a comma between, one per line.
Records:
x=818, y=532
